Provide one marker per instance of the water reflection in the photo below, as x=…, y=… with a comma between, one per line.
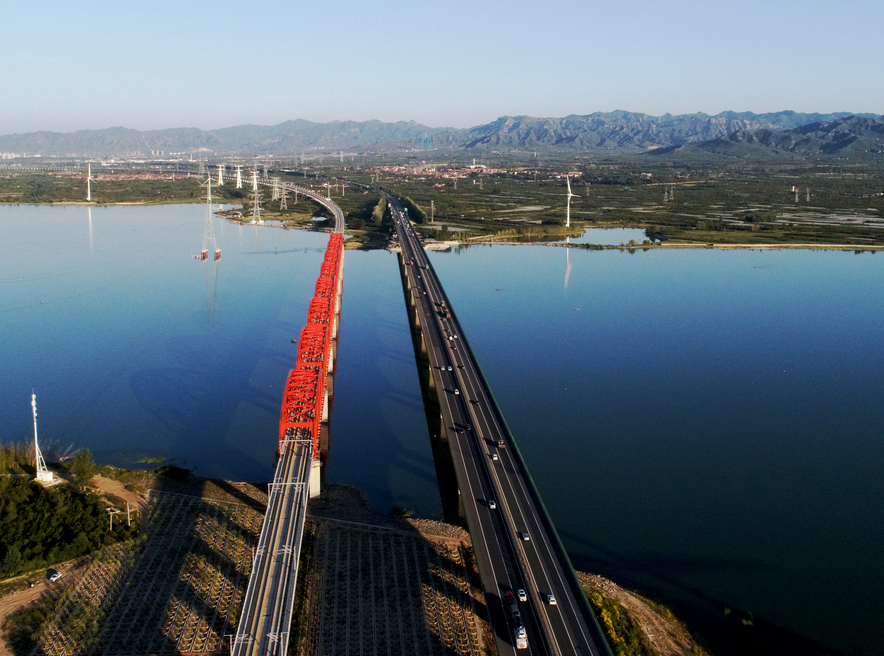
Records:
x=91, y=241
x=610, y=236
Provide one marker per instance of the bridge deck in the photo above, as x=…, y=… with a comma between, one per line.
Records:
x=263, y=628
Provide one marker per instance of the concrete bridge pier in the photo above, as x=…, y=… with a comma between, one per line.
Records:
x=315, y=485
x=452, y=504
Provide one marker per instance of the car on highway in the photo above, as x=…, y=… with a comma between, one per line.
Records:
x=494, y=456
x=492, y=504
x=525, y=536
x=551, y=599
x=55, y=576
x=456, y=391
x=523, y=596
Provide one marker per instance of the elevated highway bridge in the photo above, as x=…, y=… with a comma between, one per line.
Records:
x=514, y=540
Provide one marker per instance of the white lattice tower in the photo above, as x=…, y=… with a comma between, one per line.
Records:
x=275, y=193
x=256, y=200
x=209, y=223
x=283, y=205
x=43, y=473
x=220, y=175
x=239, y=177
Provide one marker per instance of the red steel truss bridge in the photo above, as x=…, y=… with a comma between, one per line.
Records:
x=303, y=438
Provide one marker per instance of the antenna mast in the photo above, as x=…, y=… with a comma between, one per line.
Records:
x=43, y=473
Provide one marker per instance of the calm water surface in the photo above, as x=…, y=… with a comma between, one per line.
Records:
x=699, y=423
x=698, y=420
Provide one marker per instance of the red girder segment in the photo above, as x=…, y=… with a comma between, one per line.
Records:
x=320, y=312
x=325, y=288
x=304, y=396
x=312, y=347
x=299, y=401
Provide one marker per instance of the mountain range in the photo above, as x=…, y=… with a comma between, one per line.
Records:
x=733, y=134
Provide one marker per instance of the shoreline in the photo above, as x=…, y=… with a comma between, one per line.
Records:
x=670, y=627
x=489, y=240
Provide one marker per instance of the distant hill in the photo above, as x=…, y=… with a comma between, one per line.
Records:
x=850, y=136
x=600, y=132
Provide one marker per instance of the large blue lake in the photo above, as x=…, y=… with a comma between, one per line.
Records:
x=703, y=424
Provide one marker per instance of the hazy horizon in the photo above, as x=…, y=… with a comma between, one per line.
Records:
x=225, y=127
x=100, y=64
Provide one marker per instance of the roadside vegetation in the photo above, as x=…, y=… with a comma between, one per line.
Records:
x=624, y=637
x=42, y=526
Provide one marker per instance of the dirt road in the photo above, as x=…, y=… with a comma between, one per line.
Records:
x=13, y=601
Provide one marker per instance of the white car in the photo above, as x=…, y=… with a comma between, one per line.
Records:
x=492, y=504
x=494, y=456
x=551, y=599
x=55, y=576
x=523, y=596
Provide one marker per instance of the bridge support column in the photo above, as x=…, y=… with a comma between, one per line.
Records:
x=315, y=470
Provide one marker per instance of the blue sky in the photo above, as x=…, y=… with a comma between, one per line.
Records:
x=210, y=64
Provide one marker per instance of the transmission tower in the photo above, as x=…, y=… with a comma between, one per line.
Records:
x=256, y=200
x=275, y=193
x=238, y=177
x=209, y=226
x=220, y=175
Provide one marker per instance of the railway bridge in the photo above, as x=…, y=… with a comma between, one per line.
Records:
x=303, y=443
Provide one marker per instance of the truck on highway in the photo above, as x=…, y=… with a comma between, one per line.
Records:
x=519, y=632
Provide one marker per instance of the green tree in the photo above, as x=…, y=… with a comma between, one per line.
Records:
x=83, y=467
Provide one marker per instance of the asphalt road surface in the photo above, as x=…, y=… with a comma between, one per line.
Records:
x=515, y=544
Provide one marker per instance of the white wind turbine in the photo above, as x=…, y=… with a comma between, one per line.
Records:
x=89, y=179
x=570, y=196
